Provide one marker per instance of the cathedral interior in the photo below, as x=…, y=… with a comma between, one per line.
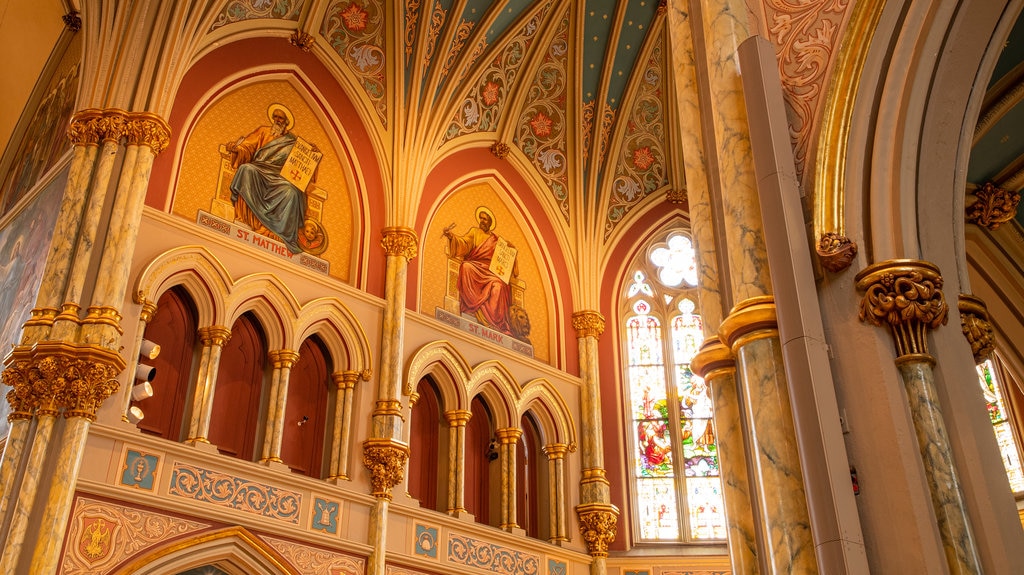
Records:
x=528, y=287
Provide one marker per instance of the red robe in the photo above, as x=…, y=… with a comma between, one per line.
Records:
x=481, y=293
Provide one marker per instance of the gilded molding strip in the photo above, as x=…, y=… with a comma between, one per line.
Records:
x=837, y=120
x=223, y=490
x=491, y=557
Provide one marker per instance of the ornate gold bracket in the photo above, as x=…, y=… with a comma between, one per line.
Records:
x=597, y=526
x=385, y=458
x=302, y=40
x=993, y=207
x=907, y=296
x=50, y=376
x=836, y=252
x=974, y=322
x=500, y=150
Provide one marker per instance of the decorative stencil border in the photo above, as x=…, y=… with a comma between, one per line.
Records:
x=314, y=561
x=490, y=557
x=223, y=490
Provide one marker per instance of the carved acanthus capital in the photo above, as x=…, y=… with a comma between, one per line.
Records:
x=993, y=207
x=50, y=376
x=907, y=296
x=216, y=335
x=84, y=384
x=302, y=40
x=399, y=241
x=500, y=150
x=588, y=323
x=145, y=129
x=597, y=525
x=385, y=458
x=85, y=128
x=836, y=252
x=974, y=322
x=112, y=125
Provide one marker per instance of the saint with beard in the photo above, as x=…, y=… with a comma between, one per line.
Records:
x=270, y=203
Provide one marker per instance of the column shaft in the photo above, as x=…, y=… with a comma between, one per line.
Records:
x=457, y=420
x=218, y=336
x=284, y=362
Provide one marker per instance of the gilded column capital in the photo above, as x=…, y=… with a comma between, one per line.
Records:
x=84, y=129
x=994, y=206
x=458, y=417
x=146, y=129
x=555, y=450
x=283, y=358
x=975, y=324
x=112, y=125
x=508, y=435
x=713, y=358
x=750, y=319
x=385, y=458
x=43, y=316
x=597, y=526
x=588, y=323
x=49, y=376
x=835, y=251
x=345, y=379
x=399, y=241
x=148, y=309
x=216, y=335
x=907, y=296
x=101, y=315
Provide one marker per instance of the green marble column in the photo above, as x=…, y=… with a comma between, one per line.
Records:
x=906, y=296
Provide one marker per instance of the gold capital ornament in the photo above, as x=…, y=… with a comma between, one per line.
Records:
x=145, y=129
x=835, y=251
x=588, y=323
x=597, y=526
x=53, y=375
x=385, y=458
x=399, y=241
x=974, y=322
x=907, y=296
x=994, y=206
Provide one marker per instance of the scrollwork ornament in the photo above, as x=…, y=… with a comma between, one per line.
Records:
x=149, y=130
x=907, y=296
x=386, y=461
x=836, y=251
x=597, y=526
x=399, y=242
x=976, y=327
x=588, y=324
x=994, y=206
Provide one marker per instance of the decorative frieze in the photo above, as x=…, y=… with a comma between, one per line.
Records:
x=490, y=557
x=224, y=490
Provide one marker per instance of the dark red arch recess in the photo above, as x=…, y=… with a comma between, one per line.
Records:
x=612, y=409
x=273, y=55
x=451, y=173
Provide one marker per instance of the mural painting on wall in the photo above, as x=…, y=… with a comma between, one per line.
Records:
x=23, y=247
x=259, y=151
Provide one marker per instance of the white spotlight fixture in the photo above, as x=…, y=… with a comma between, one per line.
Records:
x=149, y=349
x=142, y=391
x=135, y=415
x=145, y=372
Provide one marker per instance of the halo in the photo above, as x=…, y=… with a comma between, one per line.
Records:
x=287, y=113
x=490, y=214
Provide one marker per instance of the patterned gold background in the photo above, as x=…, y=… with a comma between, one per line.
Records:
x=460, y=208
x=237, y=114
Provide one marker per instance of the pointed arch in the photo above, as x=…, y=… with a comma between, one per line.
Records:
x=549, y=411
x=492, y=381
x=339, y=330
x=445, y=365
x=233, y=546
x=270, y=301
x=197, y=271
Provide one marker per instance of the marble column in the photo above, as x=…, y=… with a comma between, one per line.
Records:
x=751, y=331
x=283, y=360
x=345, y=382
x=457, y=420
x=385, y=453
x=508, y=439
x=597, y=516
x=213, y=339
x=906, y=296
x=715, y=363
x=555, y=453
x=145, y=316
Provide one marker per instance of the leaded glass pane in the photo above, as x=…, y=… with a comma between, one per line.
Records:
x=644, y=337
x=657, y=509
x=654, y=457
x=647, y=392
x=700, y=453
x=1004, y=434
x=707, y=508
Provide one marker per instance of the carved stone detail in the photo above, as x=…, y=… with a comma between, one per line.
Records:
x=907, y=296
x=597, y=525
x=385, y=458
x=302, y=40
x=500, y=150
x=975, y=324
x=399, y=241
x=676, y=196
x=51, y=376
x=85, y=127
x=588, y=323
x=836, y=252
x=150, y=130
x=994, y=206
x=90, y=126
x=73, y=21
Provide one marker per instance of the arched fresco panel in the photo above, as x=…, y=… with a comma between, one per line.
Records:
x=464, y=284
x=280, y=192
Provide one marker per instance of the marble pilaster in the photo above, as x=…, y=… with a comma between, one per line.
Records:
x=283, y=361
x=906, y=296
x=385, y=459
x=62, y=489
x=751, y=331
x=555, y=453
x=345, y=381
x=457, y=420
x=400, y=245
x=508, y=438
x=213, y=339
x=717, y=366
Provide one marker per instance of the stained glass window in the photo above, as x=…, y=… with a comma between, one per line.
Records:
x=675, y=472
x=1004, y=434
